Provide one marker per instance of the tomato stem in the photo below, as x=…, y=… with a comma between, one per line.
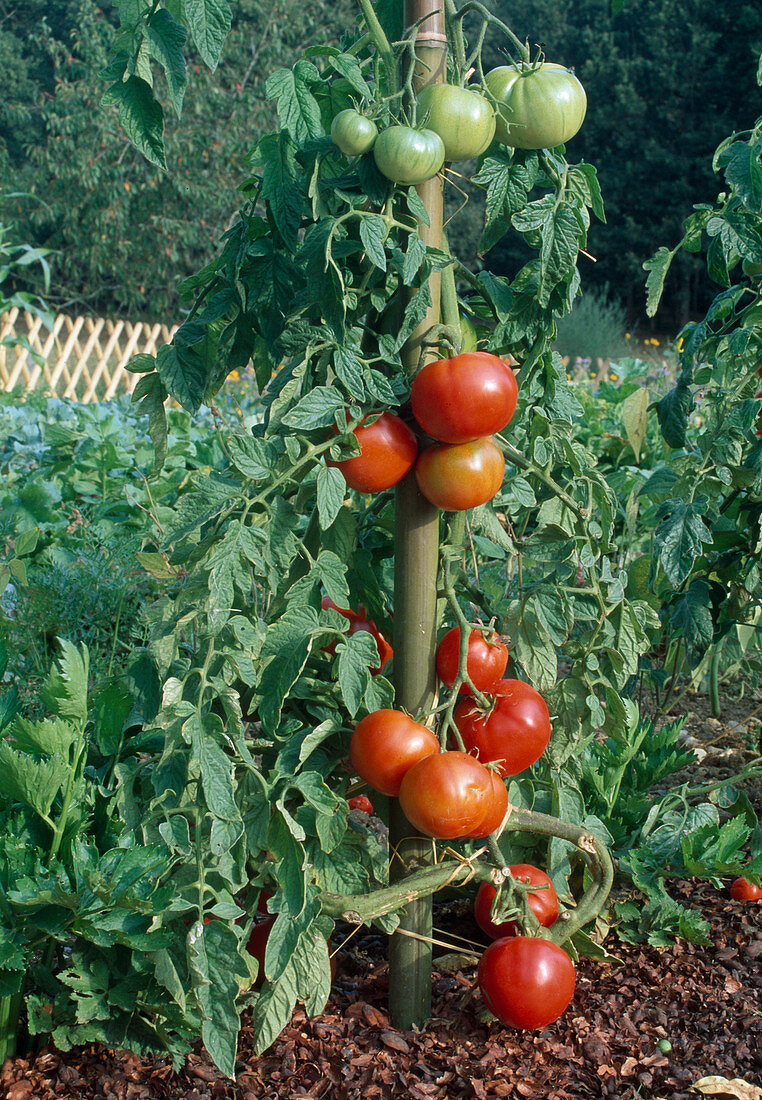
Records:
x=381, y=42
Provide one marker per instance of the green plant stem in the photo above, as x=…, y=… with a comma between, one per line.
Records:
x=523, y=463
x=425, y=879
x=10, y=1010
x=381, y=42
x=455, y=27
x=486, y=14
x=714, y=683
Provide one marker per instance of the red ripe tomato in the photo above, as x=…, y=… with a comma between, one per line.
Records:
x=543, y=903
x=485, y=663
x=460, y=399
x=444, y=795
x=362, y=803
x=463, y=476
x=513, y=734
x=257, y=946
x=388, y=452
x=526, y=982
x=498, y=807
x=741, y=890
x=358, y=621
x=385, y=745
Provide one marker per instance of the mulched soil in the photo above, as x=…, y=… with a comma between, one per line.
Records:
x=706, y=1001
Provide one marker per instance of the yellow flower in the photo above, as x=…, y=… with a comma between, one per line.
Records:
x=613, y=378
x=234, y=375
x=680, y=344
x=627, y=336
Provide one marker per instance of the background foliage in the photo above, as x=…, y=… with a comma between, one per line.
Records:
x=660, y=92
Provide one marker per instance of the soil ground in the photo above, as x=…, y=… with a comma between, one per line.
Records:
x=707, y=1001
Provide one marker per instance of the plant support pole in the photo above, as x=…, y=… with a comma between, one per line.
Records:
x=416, y=552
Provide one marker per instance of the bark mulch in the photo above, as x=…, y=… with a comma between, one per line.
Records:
x=706, y=1001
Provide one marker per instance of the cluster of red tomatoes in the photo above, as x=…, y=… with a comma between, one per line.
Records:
x=526, y=106
x=460, y=403
x=452, y=794
x=526, y=981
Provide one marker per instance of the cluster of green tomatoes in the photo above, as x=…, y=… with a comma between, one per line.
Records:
x=525, y=106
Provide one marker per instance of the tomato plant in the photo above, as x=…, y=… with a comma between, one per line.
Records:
x=526, y=982
x=388, y=449
x=358, y=621
x=444, y=795
x=362, y=803
x=257, y=946
x=513, y=734
x=353, y=133
x=460, y=399
x=485, y=663
x=743, y=890
x=464, y=120
x=539, y=107
x=543, y=903
x=384, y=747
x=408, y=156
x=461, y=476
x=325, y=285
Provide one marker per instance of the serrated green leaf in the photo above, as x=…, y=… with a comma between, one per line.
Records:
x=209, y=22
x=141, y=117
x=331, y=494
x=34, y=783
x=373, y=231
x=356, y=654
x=317, y=409
x=298, y=109
x=657, y=268
x=166, y=40
x=680, y=536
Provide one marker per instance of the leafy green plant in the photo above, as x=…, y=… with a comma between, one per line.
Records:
x=78, y=895
x=701, y=831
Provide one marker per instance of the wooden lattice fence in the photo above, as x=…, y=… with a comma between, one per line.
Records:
x=82, y=358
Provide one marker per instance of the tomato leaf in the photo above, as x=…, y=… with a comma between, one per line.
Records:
x=317, y=409
x=331, y=493
x=298, y=109
x=140, y=116
x=216, y=970
x=673, y=411
x=373, y=232
x=166, y=41
x=356, y=654
x=282, y=184
x=657, y=268
x=680, y=536
x=692, y=615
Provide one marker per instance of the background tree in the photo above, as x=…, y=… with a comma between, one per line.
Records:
x=129, y=231
x=666, y=80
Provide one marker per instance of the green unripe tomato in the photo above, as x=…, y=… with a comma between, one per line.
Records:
x=750, y=268
x=664, y=1046
x=464, y=120
x=353, y=133
x=539, y=108
x=408, y=156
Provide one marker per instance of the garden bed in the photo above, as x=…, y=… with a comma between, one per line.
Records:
x=707, y=1001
